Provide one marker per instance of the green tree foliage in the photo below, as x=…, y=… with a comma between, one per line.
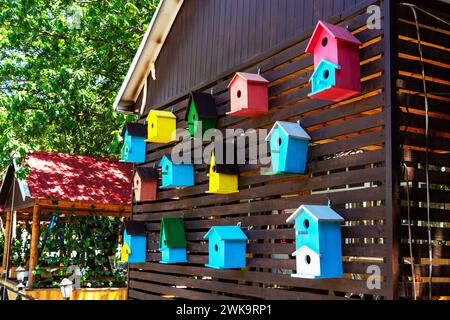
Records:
x=61, y=65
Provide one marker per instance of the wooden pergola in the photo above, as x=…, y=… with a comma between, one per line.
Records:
x=67, y=184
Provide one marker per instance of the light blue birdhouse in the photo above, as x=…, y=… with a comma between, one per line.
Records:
x=324, y=78
x=227, y=247
x=288, y=147
x=134, y=145
x=172, y=241
x=318, y=242
x=135, y=241
x=176, y=175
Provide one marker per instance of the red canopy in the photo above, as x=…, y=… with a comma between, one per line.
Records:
x=59, y=176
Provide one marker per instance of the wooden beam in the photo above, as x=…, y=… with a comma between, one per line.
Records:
x=34, y=243
x=80, y=205
x=7, y=242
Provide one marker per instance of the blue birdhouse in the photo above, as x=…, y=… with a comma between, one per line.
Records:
x=134, y=145
x=176, y=175
x=172, y=241
x=288, y=147
x=318, y=242
x=227, y=247
x=134, y=242
x=323, y=79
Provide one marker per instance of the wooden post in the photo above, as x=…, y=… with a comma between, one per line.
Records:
x=7, y=242
x=34, y=244
x=392, y=154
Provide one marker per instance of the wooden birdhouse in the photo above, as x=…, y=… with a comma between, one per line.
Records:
x=201, y=114
x=172, y=241
x=134, y=242
x=339, y=76
x=134, y=145
x=176, y=175
x=318, y=242
x=162, y=126
x=223, y=176
x=227, y=247
x=249, y=95
x=288, y=147
x=145, y=184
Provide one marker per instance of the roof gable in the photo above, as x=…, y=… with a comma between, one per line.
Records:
x=249, y=77
x=227, y=233
x=162, y=114
x=321, y=65
x=305, y=249
x=135, y=129
x=174, y=232
x=337, y=32
x=135, y=228
x=291, y=129
x=204, y=105
x=224, y=168
x=319, y=213
x=146, y=173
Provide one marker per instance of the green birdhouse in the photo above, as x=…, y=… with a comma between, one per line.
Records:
x=201, y=114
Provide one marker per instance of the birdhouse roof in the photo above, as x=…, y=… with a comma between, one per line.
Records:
x=227, y=233
x=146, y=173
x=249, y=77
x=163, y=114
x=337, y=32
x=291, y=129
x=225, y=168
x=323, y=62
x=174, y=231
x=319, y=213
x=204, y=105
x=134, y=228
x=304, y=248
x=135, y=129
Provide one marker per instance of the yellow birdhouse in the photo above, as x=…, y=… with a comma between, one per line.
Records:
x=162, y=126
x=124, y=253
x=223, y=176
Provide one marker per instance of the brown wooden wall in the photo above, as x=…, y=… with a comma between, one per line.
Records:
x=411, y=137
x=210, y=37
x=346, y=165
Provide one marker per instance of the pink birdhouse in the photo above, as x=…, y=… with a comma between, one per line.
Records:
x=334, y=46
x=249, y=95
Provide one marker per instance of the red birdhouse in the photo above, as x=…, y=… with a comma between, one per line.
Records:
x=145, y=184
x=334, y=46
x=249, y=95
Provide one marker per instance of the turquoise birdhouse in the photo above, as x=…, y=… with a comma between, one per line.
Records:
x=323, y=78
x=176, y=175
x=172, y=241
x=134, y=145
x=134, y=242
x=227, y=247
x=288, y=147
x=318, y=242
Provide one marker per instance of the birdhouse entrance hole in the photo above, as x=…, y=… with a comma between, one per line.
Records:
x=326, y=74
x=279, y=141
x=165, y=242
x=216, y=247
x=193, y=117
x=153, y=125
x=324, y=41
x=306, y=223
x=239, y=93
x=308, y=259
x=167, y=167
x=214, y=168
